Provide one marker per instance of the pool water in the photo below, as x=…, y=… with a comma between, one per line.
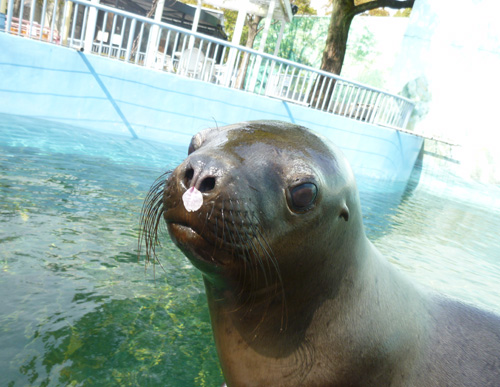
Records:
x=78, y=308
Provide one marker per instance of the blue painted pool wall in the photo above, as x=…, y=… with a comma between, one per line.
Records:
x=65, y=85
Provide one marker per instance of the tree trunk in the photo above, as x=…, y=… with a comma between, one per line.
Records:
x=336, y=39
x=335, y=49
x=343, y=12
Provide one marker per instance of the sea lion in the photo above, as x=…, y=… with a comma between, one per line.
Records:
x=298, y=296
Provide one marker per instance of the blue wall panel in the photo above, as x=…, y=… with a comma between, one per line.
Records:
x=65, y=85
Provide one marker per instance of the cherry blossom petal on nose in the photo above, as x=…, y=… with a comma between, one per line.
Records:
x=192, y=199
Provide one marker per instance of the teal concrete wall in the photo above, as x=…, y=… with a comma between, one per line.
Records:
x=60, y=84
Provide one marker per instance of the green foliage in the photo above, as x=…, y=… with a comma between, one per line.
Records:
x=403, y=12
x=361, y=47
x=230, y=22
x=305, y=7
x=377, y=12
x=300, y=41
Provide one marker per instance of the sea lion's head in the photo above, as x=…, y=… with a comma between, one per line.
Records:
x=274, y=201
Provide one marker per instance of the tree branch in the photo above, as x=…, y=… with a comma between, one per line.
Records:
x=396, y=4
x=273, y=23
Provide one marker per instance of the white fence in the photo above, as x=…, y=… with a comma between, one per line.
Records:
x=124, y=36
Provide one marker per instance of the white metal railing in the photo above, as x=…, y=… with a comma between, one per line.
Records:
x=128, y=37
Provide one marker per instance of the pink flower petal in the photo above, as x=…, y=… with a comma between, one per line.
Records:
x=192, y=199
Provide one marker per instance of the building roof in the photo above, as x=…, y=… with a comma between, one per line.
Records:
x=176, y=13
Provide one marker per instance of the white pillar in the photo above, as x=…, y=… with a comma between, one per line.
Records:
x=238, y=29
x=152, y=48
x=280, y=37
x=267, y=24
x=265, y=32
x=196, y=21
x=90, y=28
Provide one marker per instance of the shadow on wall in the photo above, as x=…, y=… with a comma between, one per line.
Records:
x=108, y=95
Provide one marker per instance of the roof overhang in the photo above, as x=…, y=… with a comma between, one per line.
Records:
x=282, y=11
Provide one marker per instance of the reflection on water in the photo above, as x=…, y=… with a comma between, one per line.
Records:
x=77, y=306
x=445, y=235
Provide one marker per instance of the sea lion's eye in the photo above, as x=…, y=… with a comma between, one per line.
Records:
x=303, y=196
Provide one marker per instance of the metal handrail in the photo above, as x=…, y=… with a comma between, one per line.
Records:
x=184, y=52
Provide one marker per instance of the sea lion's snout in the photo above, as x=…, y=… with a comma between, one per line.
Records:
x=202, y=173
x=203, y=210
x=194, y=185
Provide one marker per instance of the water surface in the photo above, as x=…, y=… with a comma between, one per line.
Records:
x=78, y=308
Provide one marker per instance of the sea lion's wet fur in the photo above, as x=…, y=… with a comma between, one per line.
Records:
x=302, y=298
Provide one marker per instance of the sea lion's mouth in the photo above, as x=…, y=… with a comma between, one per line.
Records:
x=192, y=242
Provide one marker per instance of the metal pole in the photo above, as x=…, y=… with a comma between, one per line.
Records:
x=90, y=28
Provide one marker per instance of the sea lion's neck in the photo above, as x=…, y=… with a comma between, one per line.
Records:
x=336, y=321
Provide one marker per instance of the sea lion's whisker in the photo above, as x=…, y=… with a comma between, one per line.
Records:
x=223, y=221
x=272, y=260
x=243, y=244
x=215, y=234
x=258, y=258
x=150, y=220
x=242, y=272
x=212, y=211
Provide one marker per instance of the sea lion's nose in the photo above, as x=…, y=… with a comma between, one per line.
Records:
x=201, y=173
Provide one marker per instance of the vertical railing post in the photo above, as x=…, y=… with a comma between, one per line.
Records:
x=375, y=110
x=130, y=42
x=10, y=11
x=90, y=29
x=408, y=112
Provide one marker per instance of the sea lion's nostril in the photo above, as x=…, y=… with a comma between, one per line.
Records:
x=188, y=176
x=207, y=184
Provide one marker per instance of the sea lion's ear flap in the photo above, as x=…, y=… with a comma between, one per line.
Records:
x=344, y=212
x=196, y=142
